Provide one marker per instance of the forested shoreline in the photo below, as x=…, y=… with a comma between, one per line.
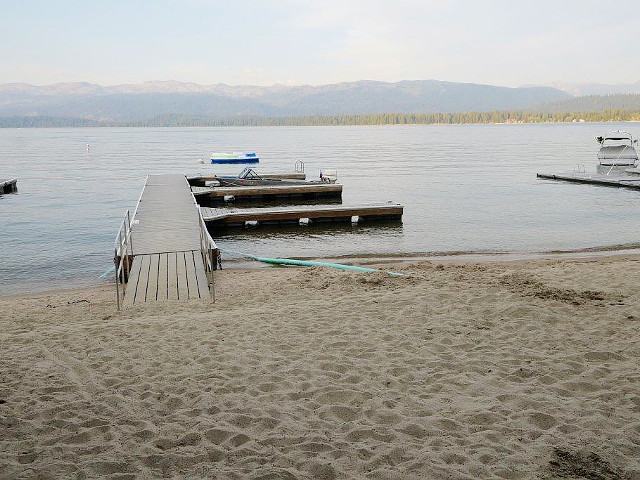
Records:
x=178, y=120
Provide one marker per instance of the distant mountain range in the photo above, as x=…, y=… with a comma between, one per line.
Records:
x=593, y=103
x=137, y=102
x=584, y=89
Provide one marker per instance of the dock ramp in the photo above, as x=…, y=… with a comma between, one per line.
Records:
x=164, y=251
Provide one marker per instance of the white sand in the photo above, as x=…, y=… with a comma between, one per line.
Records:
x=513, y=370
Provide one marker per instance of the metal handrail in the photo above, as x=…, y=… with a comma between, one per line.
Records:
x=210, y=254
x=124, y=244
x=208, y=249
x=123, y=255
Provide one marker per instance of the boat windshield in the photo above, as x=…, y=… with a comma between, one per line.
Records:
x=617, y=139
x=249, y=174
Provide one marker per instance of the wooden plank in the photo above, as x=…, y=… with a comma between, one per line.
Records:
x=594, y=179
x=162, y=277
x=166, y=243
x=212, y=214
x=172, y=277
x=192, y=179
x=192, y=281
x=201, y=276
x=331, y=212
x=152, y=283
x=183, y=292
x=252, y=191
x=294, y=215
x=166, y=217
x=132, y=284
x=284, y=176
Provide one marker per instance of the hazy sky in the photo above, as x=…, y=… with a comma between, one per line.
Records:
x=499, y=42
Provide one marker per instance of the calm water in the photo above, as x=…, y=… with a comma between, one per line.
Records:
x=469, y=188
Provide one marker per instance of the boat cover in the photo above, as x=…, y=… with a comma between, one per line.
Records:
x=617, y=152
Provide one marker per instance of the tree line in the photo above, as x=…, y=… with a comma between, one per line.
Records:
x=178, y=120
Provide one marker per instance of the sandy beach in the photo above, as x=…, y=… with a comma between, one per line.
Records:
x=511, y=370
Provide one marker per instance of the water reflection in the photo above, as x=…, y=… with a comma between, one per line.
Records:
x=289, y=231
x=614, y=171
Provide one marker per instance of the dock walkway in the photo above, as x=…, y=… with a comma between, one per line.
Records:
x=166, y=244
x=594, y=179
x=327, y=213
x=200, y=179
x=310, y=190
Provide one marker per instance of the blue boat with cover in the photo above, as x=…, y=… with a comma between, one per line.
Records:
x=235, y=157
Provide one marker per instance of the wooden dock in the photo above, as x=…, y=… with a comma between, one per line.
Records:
x=229, y=217
x=164, y=250
x=8, y=186
x=166, y=244
x=314, y=190
x=201, y=179
x=594, y=179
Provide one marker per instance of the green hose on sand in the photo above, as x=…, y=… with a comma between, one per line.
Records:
x=313, y=263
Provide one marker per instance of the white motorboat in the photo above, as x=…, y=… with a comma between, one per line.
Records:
x=617, y=150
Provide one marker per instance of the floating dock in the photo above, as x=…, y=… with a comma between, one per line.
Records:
x=163, y=246
x=594, y=179
x=8, y=186
x=200, y=180
x=164, y=250
x=301, y=214
x=314, y=190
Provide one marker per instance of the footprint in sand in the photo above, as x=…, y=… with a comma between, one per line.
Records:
x=239, y=439
x=363, y=434
x=485, y=419
x=322, y=471
x=217, y=436
x=415, y=431
x=112, y=468
x=341, y=413
x=602, y=356
x=542, y=420
x=190, y=439
x=581, y=387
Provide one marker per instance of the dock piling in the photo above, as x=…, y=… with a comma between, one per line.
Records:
x=8, y=186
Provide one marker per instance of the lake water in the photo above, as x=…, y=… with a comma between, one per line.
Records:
x=466, y=188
